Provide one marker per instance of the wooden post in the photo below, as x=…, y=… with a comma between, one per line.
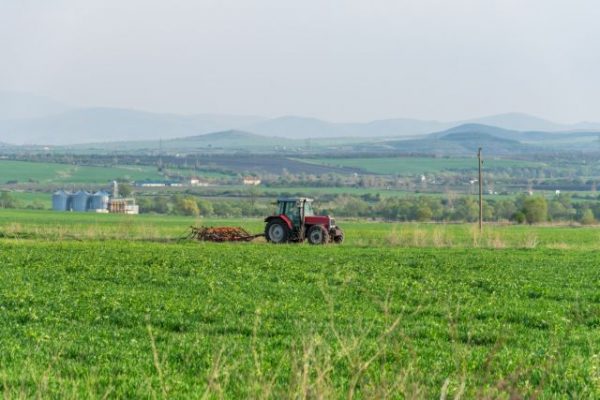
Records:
x=480, y=179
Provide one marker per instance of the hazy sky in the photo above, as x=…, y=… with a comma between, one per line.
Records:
x=343, y=60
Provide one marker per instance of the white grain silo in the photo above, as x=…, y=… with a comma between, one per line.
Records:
x=99, y=202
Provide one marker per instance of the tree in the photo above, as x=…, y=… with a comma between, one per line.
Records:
x=253, y=193
x=352, y=206
x=188, y=206
x=206, y=207
x=424, y=213
x=158, y=205
x=556, y=210
x=535, y=209
x=519, y=217
x=37, y=205
x=224, y=209
x=145, y=204
x=125, y=190
x=505, y=209
x=466, y=209
x=7, y=200
x=161, y=205
x=587, y=218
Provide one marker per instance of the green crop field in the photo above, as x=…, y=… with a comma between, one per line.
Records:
x=420, y=165
x=23, y=172
x=108, y=306
x=29, y=199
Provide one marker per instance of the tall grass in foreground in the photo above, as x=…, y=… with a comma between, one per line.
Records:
x=50, y=226
x=362, y=235
x=365, y=363
x=465, y=236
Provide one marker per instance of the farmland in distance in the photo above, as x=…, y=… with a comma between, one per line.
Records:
x=39, y=172
x=419, y=165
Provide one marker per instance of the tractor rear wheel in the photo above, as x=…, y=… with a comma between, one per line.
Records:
x=277, y=232
x=317, y=234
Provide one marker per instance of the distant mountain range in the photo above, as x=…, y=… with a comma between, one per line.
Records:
x=460, y=140
x=15, y=105
x=517, y=135
x=227, y=140
x=293, y=127
x=29, y=119
x=93, y=125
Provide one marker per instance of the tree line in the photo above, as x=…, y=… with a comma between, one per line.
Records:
x=422, y=208
x=520, y=209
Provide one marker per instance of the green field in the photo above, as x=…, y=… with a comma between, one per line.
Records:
x=108, y=306
x=29, y=199
x=420, y=165
x=24, y=172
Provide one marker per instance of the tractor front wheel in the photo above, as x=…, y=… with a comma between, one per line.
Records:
x=317, y=234
x=339, y=237
x=277, y=232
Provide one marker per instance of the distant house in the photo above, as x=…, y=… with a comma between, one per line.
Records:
x=251, y=181
x=150, y=184
x=198, y=182
x=159, y=184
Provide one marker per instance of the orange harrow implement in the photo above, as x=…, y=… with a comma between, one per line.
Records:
x=221, y=234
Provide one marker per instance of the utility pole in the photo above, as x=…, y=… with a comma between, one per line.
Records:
x=480, y=179
x=160, y=162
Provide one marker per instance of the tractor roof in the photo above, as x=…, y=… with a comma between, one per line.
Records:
x=284, y=199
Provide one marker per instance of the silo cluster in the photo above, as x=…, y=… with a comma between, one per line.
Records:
x=80, y=201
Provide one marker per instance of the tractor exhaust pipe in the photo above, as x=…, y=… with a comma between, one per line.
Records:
x=301, y=214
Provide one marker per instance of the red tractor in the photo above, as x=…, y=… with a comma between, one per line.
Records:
x=295, y=221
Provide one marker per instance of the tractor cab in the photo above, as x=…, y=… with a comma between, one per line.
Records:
x=293, y=208
x=295, y=221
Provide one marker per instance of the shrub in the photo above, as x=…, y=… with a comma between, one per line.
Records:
x=535, y=209
x=587, y=218
x=519, y=217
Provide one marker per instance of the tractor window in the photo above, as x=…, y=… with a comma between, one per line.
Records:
x=288, y=208
x=282, y=207
x=308, y=210
x=291, y=210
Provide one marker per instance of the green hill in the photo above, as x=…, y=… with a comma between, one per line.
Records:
x=464, y=139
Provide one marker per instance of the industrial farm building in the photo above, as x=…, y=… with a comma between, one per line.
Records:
x=99, y=202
